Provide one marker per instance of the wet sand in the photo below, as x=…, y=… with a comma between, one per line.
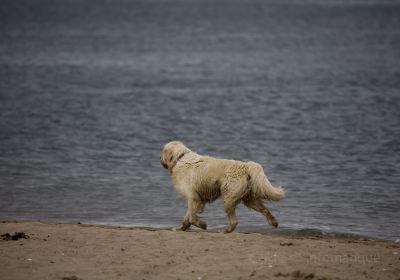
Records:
x=76, y=251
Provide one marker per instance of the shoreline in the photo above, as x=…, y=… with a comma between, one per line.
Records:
x=85, y=251
x=283, y=232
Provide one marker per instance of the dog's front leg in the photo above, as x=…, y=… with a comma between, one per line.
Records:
x=185, y=224
x=231, y=212
x=194, y=206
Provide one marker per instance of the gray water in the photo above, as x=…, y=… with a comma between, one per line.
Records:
x=90, y=91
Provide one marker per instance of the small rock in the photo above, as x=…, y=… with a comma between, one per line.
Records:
x=309, y=276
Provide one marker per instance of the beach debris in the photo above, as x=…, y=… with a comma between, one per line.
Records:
x=297, y=274
x=301, y=275
x=280, y=274
x=15, y=236
x=70, y=278
x=29, y=260
x=286, y=244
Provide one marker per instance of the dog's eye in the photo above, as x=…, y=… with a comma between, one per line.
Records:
x=171, y=157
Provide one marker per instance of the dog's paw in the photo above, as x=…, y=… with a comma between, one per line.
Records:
x=185, y=226
x=231, y=228
x=203, y=225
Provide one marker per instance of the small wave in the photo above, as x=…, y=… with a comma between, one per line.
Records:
x=308, y=233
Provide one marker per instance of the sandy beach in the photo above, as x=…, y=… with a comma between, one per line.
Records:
x=76, y=251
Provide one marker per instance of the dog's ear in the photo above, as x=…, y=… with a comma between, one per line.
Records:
x=166, y=158
x=168, y=155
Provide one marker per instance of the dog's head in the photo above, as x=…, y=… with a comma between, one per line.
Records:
x=171, y=153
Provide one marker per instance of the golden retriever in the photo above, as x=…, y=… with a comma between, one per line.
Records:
x=201, y=179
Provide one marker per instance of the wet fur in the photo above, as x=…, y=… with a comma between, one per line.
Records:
x=203, y=179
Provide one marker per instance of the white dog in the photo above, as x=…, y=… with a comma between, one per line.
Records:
x=202, y=179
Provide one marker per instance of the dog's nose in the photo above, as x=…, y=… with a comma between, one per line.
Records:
x=163, y=164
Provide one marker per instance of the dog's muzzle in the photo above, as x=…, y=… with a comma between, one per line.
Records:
x=163, y=164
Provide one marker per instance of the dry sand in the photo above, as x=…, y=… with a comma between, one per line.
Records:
x=72, y=251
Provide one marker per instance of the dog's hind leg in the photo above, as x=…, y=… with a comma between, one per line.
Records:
x=256, y=204
x=195, y=205
x=233, y=189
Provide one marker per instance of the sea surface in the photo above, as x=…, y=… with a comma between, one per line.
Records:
x=90, y=91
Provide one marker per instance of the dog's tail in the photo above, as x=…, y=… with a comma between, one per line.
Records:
x=260, y=185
